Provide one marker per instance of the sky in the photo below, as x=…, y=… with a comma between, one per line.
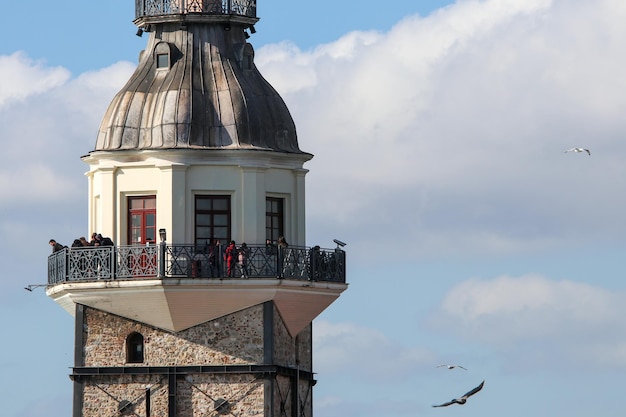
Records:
x=439, y=130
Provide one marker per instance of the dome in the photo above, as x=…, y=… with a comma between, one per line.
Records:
x=196, y=87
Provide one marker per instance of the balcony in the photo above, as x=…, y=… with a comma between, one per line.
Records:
x=88, y=264
x=146, y=8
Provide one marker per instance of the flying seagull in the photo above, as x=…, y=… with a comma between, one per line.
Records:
x=451, y=366
x=578, y=150
x=464, y=398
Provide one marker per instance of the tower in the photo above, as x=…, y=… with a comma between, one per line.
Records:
x=195, y=151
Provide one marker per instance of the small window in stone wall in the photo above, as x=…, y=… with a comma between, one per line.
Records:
x=134, y=348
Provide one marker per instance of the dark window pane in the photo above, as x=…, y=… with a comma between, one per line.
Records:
x=221, y=233
x=203, y=220
x=221, y=204
x=221, y=219
x=163, y=61
x=134, y=348
x=203, y=233
x=203, y=204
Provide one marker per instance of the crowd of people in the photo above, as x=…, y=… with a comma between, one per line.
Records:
x=96, y=240
x=235, y=258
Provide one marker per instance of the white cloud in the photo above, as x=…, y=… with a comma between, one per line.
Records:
x=538, y=321
x=33, y=183
x=364, y=351
x=456, y=124
x=52, y=124
x=27, y=77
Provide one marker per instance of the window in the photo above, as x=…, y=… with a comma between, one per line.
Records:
x=134, y=348
x=141, y=219
x=163, y=61
x=212, y=218
x=163, y=55
x=274, y=218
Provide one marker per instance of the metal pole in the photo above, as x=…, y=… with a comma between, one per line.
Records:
x=147, y=402
x=171, y=385
x=297, y=393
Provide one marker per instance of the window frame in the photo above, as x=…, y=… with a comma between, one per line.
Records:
x=144, y=213
x=212, y=214
x=133, y=340
x=274, y=217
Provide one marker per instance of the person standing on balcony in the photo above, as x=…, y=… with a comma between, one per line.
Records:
x=211, y=252
x=105, y=241
x=243, y=260
x=270, y=268
x=108, y=258
x=94, y=240
x=270, y=248
x=230, y=256
x=283, y=257
x=56, y=246
x=315, y=263
x=218, y=258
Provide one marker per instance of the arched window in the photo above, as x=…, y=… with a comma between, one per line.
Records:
x=163, y=56
x=134, y=348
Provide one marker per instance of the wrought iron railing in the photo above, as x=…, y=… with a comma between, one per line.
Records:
x=191, y=261
x=217, y=7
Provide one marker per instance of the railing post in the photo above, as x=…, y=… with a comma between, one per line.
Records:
x=341, y=256
x=66, y=262
x=279, y=262
x=113, y=257
x=162, y=259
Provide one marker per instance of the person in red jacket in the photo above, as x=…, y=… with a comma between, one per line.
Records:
x=230, y=256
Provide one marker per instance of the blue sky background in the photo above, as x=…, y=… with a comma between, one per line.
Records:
x=438, y=129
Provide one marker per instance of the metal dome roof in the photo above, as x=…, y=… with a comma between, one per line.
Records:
x=196, y=86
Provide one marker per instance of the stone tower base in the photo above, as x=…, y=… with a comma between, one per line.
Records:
x=241, y=364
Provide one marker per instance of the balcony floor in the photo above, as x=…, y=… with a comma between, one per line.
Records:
x=176, y=304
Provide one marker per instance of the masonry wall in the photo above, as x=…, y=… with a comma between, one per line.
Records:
x=235, y=339
x=107, y=395
x=295, y=352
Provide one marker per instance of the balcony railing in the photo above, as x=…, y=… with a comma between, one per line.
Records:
x=190, y=261
x=216, y=7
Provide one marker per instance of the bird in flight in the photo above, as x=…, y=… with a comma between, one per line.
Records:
x=451, y=366
x=578, y=150
x=464, y=398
